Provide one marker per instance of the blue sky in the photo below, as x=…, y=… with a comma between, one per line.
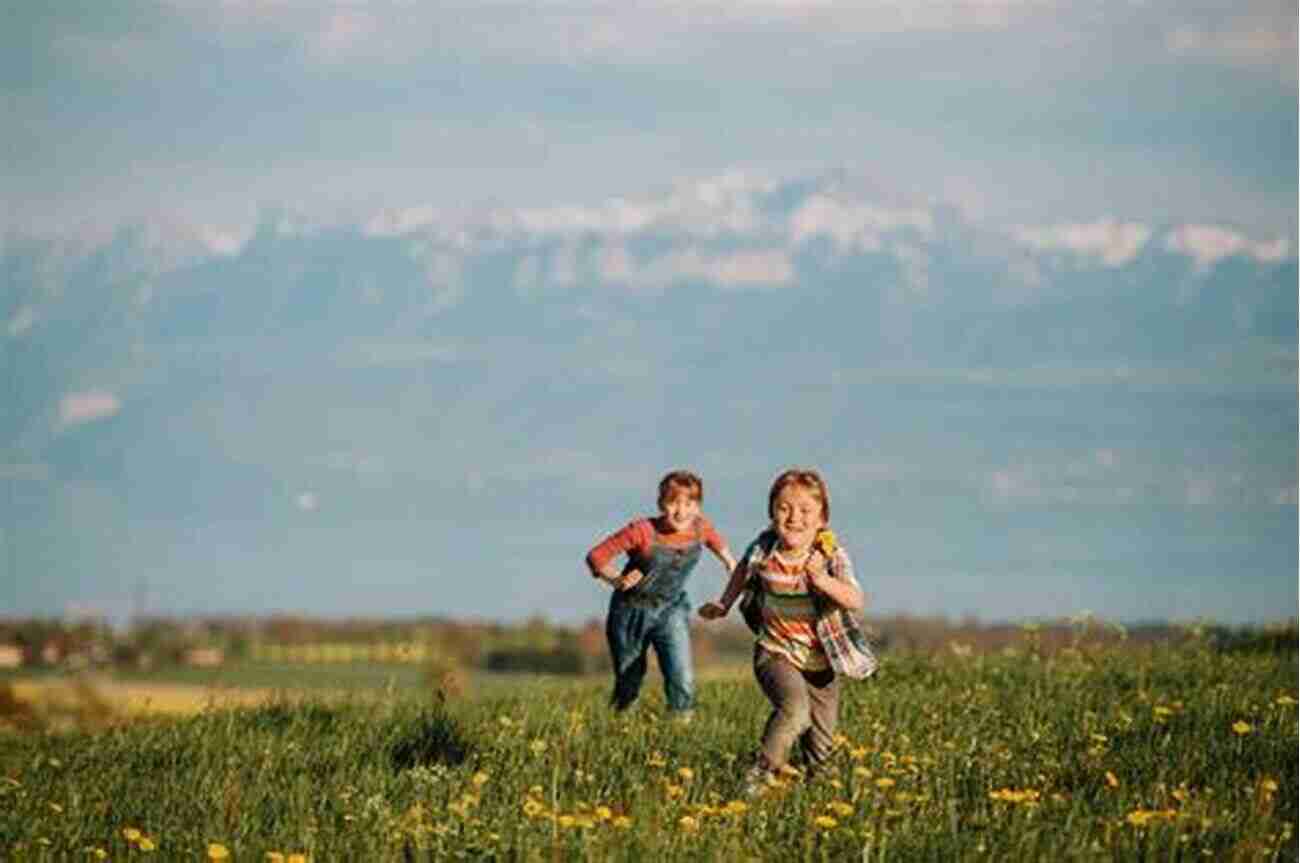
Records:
x=1015, y=110
x=341, y=307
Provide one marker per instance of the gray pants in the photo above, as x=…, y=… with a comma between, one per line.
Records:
x=805, y=706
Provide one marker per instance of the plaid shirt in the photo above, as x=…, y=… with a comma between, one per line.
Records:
x=841, y=636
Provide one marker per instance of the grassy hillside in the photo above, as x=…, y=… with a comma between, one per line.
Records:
x=1156, y=752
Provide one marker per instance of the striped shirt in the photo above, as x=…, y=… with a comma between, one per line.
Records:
x=789, y=613
x=638, y=537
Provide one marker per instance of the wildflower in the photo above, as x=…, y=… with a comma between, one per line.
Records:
x=130, y=834
x=689, y=824
x=296, y=858
x=217, y=851
x=535, y=791
x=686, y=773
x=656, y=759
x=538, y=746
x=1242, y=727
x=274, y=857
x=825, y=541
x=672, y=791
x=1268, y=785
x=840, y=808
x=861, y=772
x=1011, y=795
x=566, y=820
x=1112, y=781
x=884, y=782
x=736, y=807
x=479, y=779
x=99, y=854
x=857, y=753
x=1143, y=817
x=146, y=844
x=603, y=813
x=622, y=822
x=1286, y=701
x=825, y=822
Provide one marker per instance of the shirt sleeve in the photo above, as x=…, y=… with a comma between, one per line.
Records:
x=634, y=535
x=843, y=567
x=710, y=535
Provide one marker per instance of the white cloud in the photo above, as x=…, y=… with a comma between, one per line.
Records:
x=1115, y=243
x=854, y=226
x=77, y=408
x=742, y=269
x=395, y=222
x=1209, y=244
x=1249, y=42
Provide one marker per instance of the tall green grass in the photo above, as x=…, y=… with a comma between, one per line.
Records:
x=1157, y=753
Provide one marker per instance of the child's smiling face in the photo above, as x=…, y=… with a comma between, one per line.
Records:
x=680, y=510
x=797, y=515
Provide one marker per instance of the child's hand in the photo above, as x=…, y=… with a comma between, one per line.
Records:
x=816, y=570
x=712, y=611
x=629, y=579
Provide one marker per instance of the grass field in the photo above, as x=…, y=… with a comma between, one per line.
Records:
x=1153, y=753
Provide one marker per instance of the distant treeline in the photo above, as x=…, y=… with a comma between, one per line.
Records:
x=537, y=645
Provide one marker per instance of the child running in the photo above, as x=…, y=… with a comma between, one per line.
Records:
x=649, y=607
x=798, y=583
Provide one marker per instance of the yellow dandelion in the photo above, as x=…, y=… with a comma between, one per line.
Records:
x=1242, y=727
x=861, y=772
x=736, y=807
x=131, y=834
x=622, y=822
x=538, y=746
x=1268, y=785
x=146, y=844
x=217, y=851
x=825, y=822
x=274, y=857
x=656, y=759
x=857, y=753
x=686, y=773
x=1112, y=780
x=603, y=813
x=296, y=858
x=479, y=779
x=536, y=791
x=566, y=820
x=532, y=808
x=673, y=791
x=826, y=541
x=100, y=854
x=689, y=824
x=1286, y=701
x=840, y=808
x=885, y=782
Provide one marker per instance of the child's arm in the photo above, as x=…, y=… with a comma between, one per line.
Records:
x=842, y=591
x=721, y=606
x=601, y=560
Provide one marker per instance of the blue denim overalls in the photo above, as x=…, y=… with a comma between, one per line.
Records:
x=654, y=613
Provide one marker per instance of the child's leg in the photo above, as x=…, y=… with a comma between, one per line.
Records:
x=818, y=741
x=671, y=637
x=785, y=687
x=625, y=630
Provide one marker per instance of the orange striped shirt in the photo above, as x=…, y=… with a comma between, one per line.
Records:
x=789, y=614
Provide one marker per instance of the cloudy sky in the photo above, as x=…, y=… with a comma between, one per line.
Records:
x=388, y=305
x=1015, y=110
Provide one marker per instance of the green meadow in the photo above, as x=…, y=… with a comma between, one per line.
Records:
x=1138, y=752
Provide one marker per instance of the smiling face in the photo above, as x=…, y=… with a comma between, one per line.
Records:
x=797, y=515
x=680, y=510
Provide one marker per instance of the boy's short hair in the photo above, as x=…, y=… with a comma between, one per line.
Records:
x=808, y=480
x=680, y=479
